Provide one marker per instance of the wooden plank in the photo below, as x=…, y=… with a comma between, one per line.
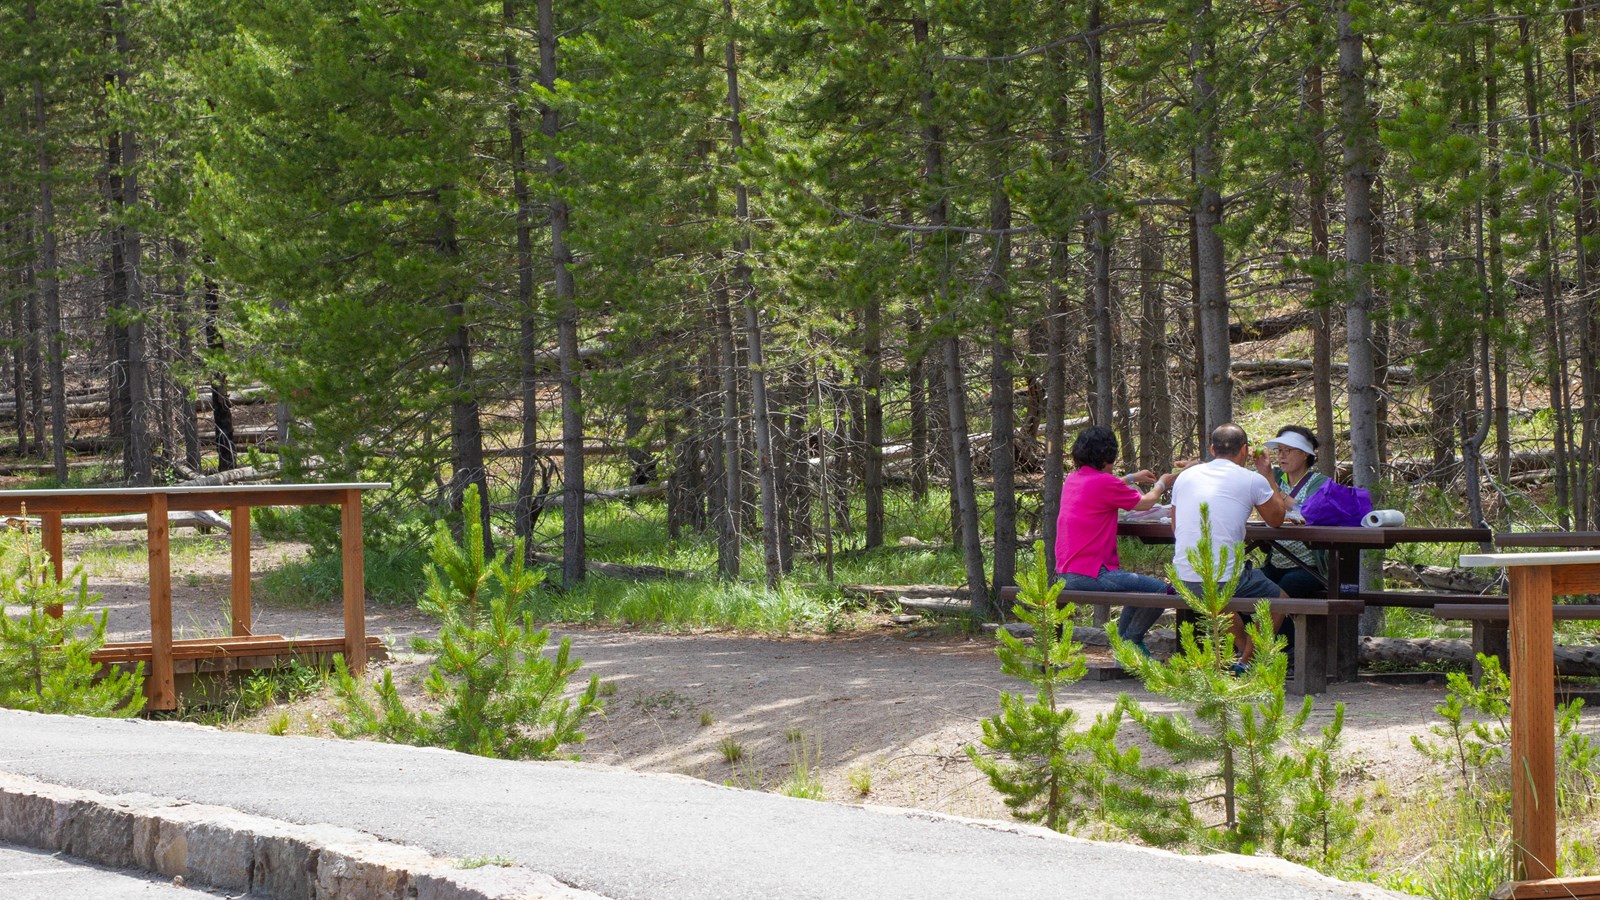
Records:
x=239, y=571
x=1581, y=539
x=1582, y=888
x=1310, y=655
x=160, y=690
x=1533, y=751
x=355, y=587
x=1569, y=580
x=50, y=534
x=1509, y=560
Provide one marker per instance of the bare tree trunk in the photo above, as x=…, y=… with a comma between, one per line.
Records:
x=1002, y=402
x=765, y=465
x=1099, y=227
x=1555, y=356
x=1155, y=411
x=1322, y=335
x=1055, y=402
x=872, y=385
x=917, y=401
x=1497, y=280
x=732, y=483
x=19, y=364
x=50, y=281
x=33, y=335
x=1358, y=253
x=183, y=317
x=138, y=458
x=221, y=406
x=466, y=431
x=1211, y=264
x=529, y=464
x=1586, y=221
x=573, y=551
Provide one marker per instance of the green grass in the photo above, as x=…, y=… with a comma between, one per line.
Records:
x=391, y=578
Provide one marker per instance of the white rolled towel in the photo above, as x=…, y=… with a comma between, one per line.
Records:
x=1384, y=518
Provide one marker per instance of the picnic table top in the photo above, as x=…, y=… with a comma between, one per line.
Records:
x=1328, y=535
x=1559, y=558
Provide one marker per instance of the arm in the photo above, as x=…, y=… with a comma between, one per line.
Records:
x=1275, y=507
x=1153, y=496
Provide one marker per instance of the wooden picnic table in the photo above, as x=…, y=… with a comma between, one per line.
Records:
x=1536, y=580
x=1343, y=546
x=156, y=503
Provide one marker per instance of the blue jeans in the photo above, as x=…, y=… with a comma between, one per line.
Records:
x=1135, y=621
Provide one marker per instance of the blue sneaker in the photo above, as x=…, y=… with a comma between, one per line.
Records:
x=1237, y=669
x=1143, y=650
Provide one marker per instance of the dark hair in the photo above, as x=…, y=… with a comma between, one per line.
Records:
x=1227, y=440
x=1096, y=447
x=1305, y=433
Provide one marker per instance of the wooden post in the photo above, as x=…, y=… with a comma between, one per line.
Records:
x=355, y=588
x=50, y=534
x=159, y=688
x=239, y=570
x=1533, y=748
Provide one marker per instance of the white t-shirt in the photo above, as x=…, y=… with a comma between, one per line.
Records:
x=1230, y=492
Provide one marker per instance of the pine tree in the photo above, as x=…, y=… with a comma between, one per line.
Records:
x=45, y=660
x=501, y=696
x=1235, y=741
x=1048, y=769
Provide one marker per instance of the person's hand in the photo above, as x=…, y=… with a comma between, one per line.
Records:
x=1143, y=476
x=1166, y=481
x=1182, y=464
x=1263, y=465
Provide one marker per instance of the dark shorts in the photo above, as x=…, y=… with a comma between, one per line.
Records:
x=1252, y=586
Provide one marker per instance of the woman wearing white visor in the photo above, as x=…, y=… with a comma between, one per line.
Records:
x=1296, y=449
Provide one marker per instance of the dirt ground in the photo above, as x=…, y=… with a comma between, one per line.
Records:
x=881, y=713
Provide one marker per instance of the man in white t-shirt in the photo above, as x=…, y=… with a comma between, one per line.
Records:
x=1229, y=490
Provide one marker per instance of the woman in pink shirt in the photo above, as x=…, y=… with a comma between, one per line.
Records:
x=1086, y=531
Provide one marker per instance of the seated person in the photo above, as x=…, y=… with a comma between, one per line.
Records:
x=1229, y=490
x=1086, y=530
x=1296, y=449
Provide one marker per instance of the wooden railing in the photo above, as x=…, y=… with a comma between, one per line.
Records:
x=156, y=503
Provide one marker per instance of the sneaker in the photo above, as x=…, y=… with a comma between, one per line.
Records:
x=1237, y=669
x=1143, y=650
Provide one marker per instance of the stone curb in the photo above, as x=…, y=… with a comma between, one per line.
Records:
x=224, y=848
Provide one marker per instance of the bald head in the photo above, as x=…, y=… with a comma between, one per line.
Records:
x=1227, y=440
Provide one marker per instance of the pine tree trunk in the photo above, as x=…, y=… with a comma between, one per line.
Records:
x=138, y=458
x=466, y=429
x=50, y=281
x=766, y=470
x=529, y=465
x=183, y=316
x=1358, y=253
x=1586, y=221
x=1055, y=400
x=1155, y=413
x=33, y=337
x=1210, y=262
x=732, y=481
x=573, y=550
x=1322, y=334
x=917, y=403
x=1099, y=229
x=116, y=295
x=1555, y=353
x=221, y=406
x=1497, y=279
x=872, y=452
x=1002, y=390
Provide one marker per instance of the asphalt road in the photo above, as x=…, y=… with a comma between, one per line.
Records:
x=34, y=875
x=617, y=833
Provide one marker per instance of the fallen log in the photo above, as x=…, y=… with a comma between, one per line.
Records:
x=619, y=570
x=1439, y=578
x=1286, y=366
x=1270, y=327
x=553, y=499
x=203, y=518
x=1406, y=652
